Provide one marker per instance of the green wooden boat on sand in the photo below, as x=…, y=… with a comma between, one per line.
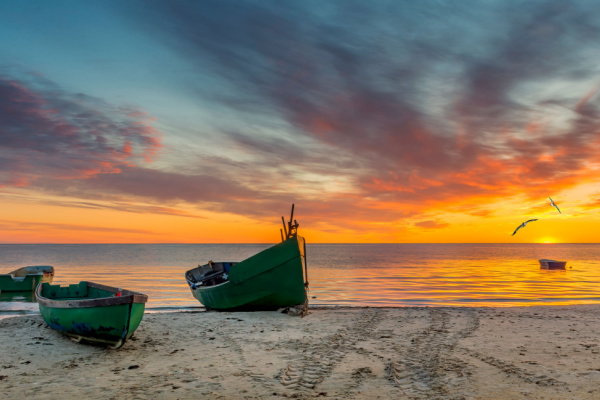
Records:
x=91, y=312
x=274, y=278
x=26, y=279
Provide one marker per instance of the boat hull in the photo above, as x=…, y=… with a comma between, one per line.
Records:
x=552, y=264
x=26, y=279
x=271, y=279
x=108, y=319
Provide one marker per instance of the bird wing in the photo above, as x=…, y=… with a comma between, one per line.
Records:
x=518, y=227
x=531, y=220
x=554, y=205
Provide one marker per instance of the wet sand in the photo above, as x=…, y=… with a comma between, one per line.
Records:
x=370, y=353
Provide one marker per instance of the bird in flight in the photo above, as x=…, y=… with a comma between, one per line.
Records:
x=554, y=205
x=523, y=226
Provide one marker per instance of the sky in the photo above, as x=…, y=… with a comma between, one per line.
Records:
x=383, y=121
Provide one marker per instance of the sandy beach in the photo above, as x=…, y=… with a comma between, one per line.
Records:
x=358, y=353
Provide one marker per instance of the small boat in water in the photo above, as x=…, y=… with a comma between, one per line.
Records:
x=274, y=278
x=91, y=311
x=26, y=279
x=552, y=264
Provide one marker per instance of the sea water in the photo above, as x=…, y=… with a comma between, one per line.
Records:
x=391, y=275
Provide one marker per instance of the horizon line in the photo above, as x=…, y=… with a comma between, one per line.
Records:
x=256, y=243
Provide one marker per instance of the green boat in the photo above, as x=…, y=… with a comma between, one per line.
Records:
x=274, y=278
x=26, y=279
x=91, y=312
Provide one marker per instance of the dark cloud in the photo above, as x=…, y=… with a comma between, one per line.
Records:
x=167, y=186
x=18, y=226
x=113, y=205
x=218, y=192
x=47, y=132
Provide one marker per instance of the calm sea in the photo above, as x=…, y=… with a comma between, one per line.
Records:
x=339, y=274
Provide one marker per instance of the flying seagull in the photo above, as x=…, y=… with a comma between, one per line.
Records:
x=522, y=226
x=554, y=205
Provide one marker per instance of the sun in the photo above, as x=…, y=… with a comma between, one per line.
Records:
x=547, y=240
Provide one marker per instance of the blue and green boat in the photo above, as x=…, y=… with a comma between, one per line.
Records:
x=92, y=312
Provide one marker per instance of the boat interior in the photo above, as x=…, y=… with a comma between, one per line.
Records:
x=76, y=291
x=209, y=274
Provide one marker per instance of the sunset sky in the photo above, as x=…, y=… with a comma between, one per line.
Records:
x=383, y=121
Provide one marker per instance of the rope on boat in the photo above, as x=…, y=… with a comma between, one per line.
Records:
x=305, y=309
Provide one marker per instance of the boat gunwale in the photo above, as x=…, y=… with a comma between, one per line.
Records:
x=206, y=288
x=12, y=275
x=128, y=297
x=48, y=270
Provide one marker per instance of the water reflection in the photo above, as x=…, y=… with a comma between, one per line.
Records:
x=21, y=297
x=355, y=275
x=457, y=283
x=17, y=303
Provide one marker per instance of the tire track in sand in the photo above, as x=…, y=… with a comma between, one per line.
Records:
x=508, y=368
x=512, y=370
x=426, y=368
x=316, y=361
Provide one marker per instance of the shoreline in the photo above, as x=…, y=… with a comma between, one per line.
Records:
x=191, y=309
x=532, y=352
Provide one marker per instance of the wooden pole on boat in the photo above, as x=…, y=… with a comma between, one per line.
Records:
x=290, y=223
x=281, y=231
x=284, y=228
